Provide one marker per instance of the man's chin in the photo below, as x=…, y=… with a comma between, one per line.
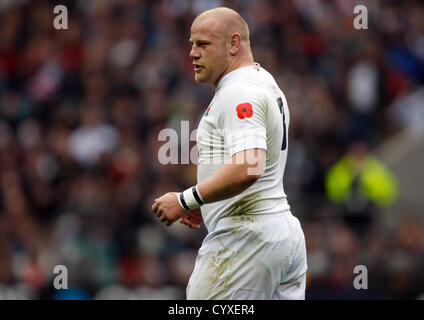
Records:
x=200, y=79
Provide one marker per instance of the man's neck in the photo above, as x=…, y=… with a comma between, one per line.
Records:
x=236, y=64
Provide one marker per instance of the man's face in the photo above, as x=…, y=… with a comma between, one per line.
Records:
x=209, y=53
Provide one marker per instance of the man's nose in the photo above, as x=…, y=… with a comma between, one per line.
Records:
x=194, y=54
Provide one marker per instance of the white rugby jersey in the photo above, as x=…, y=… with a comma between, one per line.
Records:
x=248, y=111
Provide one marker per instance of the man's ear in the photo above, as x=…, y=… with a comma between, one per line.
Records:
x=235, y=43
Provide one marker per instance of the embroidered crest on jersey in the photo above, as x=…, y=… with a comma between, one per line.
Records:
x=244, y=110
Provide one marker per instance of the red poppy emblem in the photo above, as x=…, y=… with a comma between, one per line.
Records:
x=244, y=110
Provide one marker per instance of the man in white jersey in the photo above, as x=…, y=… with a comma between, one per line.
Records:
x=255, y=247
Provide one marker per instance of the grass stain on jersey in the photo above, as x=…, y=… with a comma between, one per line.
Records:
x=245, y=205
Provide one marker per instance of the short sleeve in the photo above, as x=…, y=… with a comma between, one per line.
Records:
x=242, y=119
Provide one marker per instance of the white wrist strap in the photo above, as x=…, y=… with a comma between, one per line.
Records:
x=184, y=206
x=190, y=199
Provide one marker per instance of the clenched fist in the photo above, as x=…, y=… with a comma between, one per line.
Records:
x=168, y=209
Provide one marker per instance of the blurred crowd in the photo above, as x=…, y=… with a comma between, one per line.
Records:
x=80, y=113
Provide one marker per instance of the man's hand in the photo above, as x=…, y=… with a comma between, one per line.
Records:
x=193, y=219
x=168, y=209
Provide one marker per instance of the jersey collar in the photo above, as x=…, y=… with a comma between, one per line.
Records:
x=234, y=73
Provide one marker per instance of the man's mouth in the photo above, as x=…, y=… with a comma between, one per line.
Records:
x=197, y=67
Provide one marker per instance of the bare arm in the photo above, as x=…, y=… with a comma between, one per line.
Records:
x=231, y=179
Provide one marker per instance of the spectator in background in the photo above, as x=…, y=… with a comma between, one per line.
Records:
x=93, y=137
x=360, y=182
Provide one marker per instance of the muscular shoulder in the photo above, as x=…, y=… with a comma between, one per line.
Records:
x=242, y=91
